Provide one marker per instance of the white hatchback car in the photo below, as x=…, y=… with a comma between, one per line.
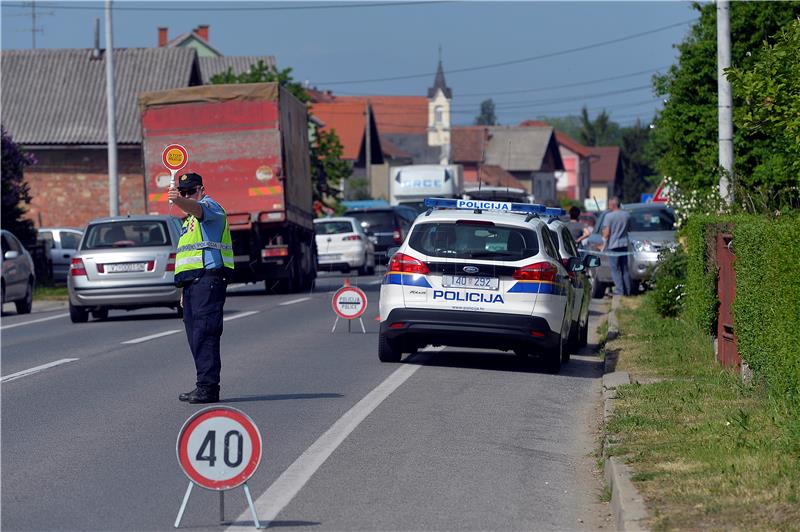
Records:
x=343, y=245
x=477, y=273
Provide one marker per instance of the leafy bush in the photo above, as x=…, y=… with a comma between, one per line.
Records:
x=669, y=280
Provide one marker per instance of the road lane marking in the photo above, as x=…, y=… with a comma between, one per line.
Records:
x=289, y=484
x=37, y=369
x=293, y=301
x=173, y=331
x=151, y=337
x=4, y=327
x=376, y=281
x=241, y=315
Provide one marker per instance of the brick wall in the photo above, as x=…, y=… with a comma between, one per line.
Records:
x=70, y=185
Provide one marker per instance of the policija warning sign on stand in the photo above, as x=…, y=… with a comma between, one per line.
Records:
x=219, y=448
x=349, y=303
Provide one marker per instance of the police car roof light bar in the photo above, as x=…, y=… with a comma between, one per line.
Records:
x=489, y=205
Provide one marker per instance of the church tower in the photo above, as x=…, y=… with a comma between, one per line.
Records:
x=439, y=97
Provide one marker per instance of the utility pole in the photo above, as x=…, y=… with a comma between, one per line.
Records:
x=725, y=104
x=368, y=145
x=113, y=182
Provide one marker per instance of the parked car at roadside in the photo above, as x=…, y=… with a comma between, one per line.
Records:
x=343, y=245
x=64, y=243
x=124, y=263
x=19, y=277
x=652, y=229
x=388, y=225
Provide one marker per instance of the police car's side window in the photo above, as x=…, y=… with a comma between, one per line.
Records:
x=549, y=247
x=569, y=243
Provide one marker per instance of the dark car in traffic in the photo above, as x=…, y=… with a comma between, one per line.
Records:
x=386, y=227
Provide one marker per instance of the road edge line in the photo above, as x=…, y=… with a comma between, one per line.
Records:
x=290, y=482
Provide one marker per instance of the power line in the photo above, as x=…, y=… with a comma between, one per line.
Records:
x=513, y=61
x=565, y=85
x=184, y=7
x=540, y=103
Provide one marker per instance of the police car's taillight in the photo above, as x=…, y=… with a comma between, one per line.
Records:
x=540, y=271
x=76, y=267
x=405, y=264
x=171, y=262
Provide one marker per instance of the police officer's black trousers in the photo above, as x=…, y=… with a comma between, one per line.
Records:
x=203, y=300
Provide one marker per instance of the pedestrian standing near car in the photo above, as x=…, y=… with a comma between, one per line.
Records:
x=205, y=254
x=616, y=225
x=577, y=228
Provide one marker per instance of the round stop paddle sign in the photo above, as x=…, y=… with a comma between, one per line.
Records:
x=175, y=157
x=349, y=302
x=219, y=448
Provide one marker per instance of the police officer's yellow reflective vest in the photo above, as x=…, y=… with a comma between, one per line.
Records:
x=191, y=246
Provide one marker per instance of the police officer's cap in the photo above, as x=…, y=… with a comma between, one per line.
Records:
x=190, y=180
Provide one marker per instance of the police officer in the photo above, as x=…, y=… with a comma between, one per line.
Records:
x=205, y=253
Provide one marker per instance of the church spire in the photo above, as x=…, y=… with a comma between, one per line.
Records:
x=439, y=83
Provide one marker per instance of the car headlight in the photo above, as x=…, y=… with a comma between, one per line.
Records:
x=643, y=246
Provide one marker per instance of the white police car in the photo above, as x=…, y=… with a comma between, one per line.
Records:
x=476, y=273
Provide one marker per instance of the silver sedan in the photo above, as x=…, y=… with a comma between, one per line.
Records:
x=124, y=263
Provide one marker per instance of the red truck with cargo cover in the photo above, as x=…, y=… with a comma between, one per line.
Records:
x=250, y=144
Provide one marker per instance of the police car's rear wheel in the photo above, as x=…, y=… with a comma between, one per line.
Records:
x=388, y=351
x=551, y=358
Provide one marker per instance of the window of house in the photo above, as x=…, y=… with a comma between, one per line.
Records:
x=438, y=114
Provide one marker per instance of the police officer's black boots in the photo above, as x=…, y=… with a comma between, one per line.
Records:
x=186, y=395
x=205, y=395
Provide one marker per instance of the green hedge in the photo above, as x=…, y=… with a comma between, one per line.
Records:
x=701, y=272
x=766, y=311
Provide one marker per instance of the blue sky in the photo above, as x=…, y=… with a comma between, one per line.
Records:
x=332, y=47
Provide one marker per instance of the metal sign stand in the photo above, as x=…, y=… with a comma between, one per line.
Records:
x=349, y=325
x=256, y=522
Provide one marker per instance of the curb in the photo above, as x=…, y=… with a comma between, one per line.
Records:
x=613, y=325
x=627, y=504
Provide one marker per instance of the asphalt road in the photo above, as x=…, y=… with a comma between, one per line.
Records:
x=468, y=439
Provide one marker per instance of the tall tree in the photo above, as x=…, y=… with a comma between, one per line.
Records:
x=487, y=116
x=637, y=170
x=598, y=132
x=15, y=191
x=685, y=135
x=327, y=167
x=770, y=115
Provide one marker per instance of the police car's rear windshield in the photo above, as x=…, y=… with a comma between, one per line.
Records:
x=333, y=228
x=652, y=220
x=125, y=234
x=463, y=240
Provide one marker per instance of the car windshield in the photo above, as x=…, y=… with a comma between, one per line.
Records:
x=472, y=241
x=128, y=233
x=375, y=221
x=333, y=228
x=652, y=220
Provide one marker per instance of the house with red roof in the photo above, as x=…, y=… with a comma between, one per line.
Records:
x=606, y=175
x=528, y=155
x=409, y=129
x=574, y=181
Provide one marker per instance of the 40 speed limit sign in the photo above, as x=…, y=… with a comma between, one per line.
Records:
x=219, y=448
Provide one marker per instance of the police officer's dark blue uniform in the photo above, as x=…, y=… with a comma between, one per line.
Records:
x=204, y=254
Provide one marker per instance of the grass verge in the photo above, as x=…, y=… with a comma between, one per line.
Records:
x=706, y=451
x=50, y=293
